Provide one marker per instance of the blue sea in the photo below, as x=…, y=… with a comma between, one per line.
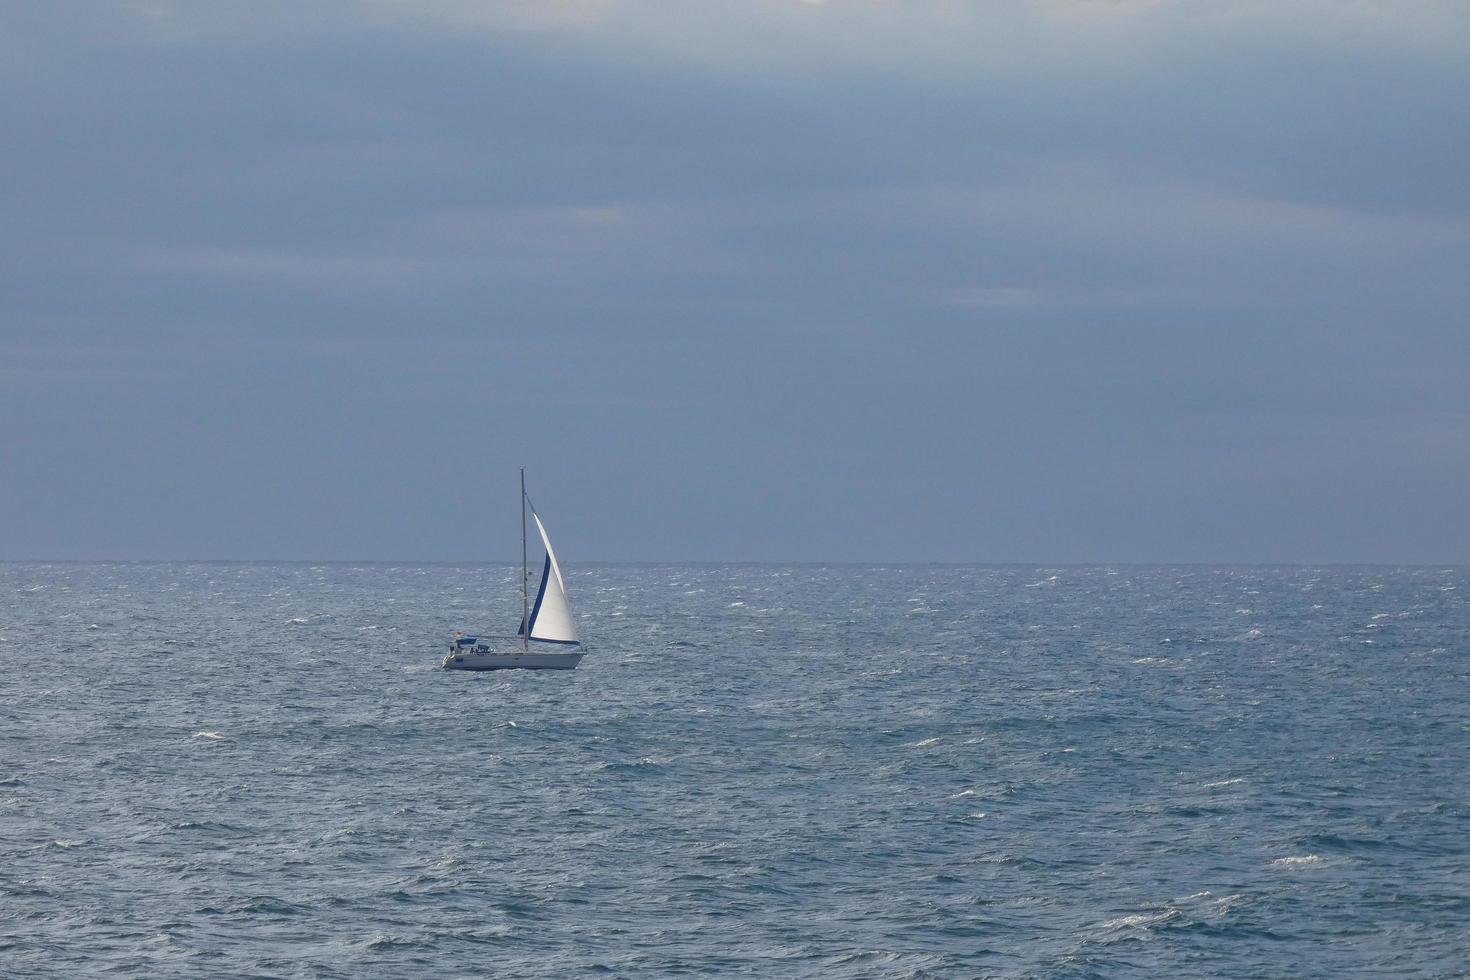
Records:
x=759, y=770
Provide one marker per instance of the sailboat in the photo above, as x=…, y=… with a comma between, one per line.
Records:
x=547, y=639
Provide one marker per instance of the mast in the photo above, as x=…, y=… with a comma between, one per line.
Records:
x=525, y=573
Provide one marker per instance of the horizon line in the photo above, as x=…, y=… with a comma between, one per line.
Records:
x=1091, y=563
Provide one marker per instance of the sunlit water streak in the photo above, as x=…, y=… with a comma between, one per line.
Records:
x=759, y=770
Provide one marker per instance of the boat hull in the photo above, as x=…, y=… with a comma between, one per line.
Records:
x=514, y=660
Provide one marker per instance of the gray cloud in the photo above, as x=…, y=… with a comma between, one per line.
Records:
x=1050, y=281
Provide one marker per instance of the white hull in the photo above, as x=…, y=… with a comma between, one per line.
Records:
x=514, y=659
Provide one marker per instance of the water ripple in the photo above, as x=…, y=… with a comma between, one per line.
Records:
x=794, y=771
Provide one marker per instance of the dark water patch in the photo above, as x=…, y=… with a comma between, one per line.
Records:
x=382, y=943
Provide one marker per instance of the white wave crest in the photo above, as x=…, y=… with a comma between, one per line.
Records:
x=1299, y=861
x=1142, y=920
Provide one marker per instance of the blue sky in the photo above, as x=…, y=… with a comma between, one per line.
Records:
x=1010, y=281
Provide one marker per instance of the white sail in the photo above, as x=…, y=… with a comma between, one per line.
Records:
x=551, y=619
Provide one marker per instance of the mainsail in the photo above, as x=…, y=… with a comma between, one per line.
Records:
x=551, y=617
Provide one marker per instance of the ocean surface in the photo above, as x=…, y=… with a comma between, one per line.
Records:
x=759, y=770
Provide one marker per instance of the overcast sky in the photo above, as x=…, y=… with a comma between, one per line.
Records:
x=1050, y=281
